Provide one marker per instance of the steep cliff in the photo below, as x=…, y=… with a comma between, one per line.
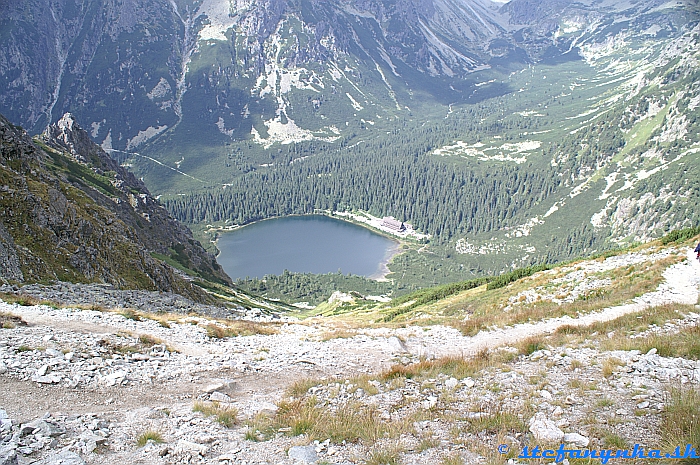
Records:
x=71, y=213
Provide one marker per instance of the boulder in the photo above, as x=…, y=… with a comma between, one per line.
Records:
x=545, y=429
x=304, y=454
x=576, y=439
x=62, y=458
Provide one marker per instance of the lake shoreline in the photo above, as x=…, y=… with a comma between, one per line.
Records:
x=379, y=275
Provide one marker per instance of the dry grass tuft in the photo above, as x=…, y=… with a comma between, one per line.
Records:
x=680, y=423
x=610, y=364
x=148, y=340
x=350, y=422
x=300, y=387
x=150, y=435
x=10, y=321
x=457, y=367
x=385, y=455
x=227, y=416
x=239, y=328
x=531, y=345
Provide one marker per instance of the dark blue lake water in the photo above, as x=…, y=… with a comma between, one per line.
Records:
x=308, y=244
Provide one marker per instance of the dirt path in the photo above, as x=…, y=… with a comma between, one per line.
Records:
x=680, y=286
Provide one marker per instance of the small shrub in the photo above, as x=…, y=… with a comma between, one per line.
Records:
x=680, y=235
x=149, y=435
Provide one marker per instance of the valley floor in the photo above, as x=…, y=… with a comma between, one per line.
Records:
x=97, y=387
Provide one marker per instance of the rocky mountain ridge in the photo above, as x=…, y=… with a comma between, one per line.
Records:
x=71, y=213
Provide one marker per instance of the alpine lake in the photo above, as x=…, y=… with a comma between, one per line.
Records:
x=304, y=244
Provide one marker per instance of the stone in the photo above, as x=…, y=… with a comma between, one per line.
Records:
x=451, y=383
x=219, y=397
x=304, y=454
x=114, y=378
x=468, y=382
x=429, y=403
x=396, y=345
x=576, y=439
x=652, y=351
x=213, y=387
x=546, y=394
x=544, y=429
x=8, y=455
x=44, y=428
x=62, y=458
x=191, y=447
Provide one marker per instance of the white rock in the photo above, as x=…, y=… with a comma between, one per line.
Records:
x=468, y=382
x=546, y=394
x=192, y=447
x=652, y=351
x=451, y=383
x=114, y=378
x=429, y=403
x=544, y=429
x=63, y=458
x=396, y=345
x=213, y=387
x=304, y=454
x=576, y=439
x=219, y=397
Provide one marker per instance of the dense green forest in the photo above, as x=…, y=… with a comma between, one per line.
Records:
x=484, y=205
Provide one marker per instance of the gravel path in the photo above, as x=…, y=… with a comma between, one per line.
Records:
x=84, y=367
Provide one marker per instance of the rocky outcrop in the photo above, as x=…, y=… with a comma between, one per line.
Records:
x=9, y=262
x=71, y=213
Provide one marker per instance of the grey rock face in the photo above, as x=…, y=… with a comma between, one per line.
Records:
x=304, y=454
x=9, y=262
x=8, y=455
x=63, y=458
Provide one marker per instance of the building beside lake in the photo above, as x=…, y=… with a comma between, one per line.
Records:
x=393, y=224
